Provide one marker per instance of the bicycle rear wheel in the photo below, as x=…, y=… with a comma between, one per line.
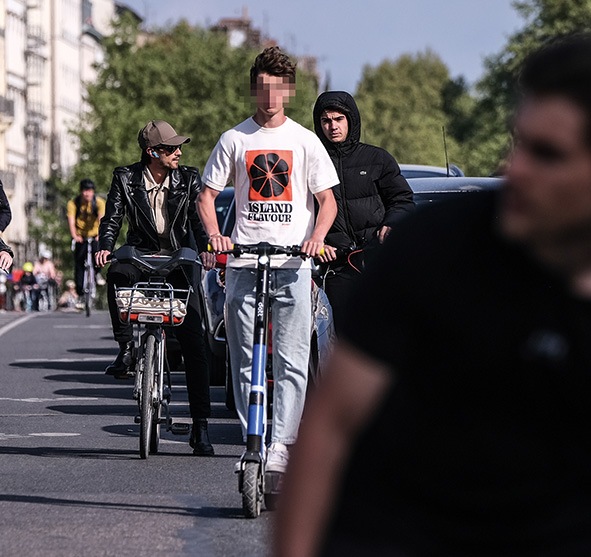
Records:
x=146, y=396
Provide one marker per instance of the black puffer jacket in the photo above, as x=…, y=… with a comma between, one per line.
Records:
x=128, y=196
x=372, y=192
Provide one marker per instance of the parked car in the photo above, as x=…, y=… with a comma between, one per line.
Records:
x=425, y=171
x=430, y=190
x=213, y=293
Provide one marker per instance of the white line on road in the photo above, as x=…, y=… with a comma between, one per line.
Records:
x=81, y=326
x=59, y=360
x=16, y=322
x=49, y=399
x=4, y=436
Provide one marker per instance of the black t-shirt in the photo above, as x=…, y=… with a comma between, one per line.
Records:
x=483, y=446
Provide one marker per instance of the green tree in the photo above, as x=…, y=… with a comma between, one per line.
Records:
x=187, y=76
x=405, y=104
x=544, y=20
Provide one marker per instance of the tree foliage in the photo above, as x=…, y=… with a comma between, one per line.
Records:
x=544, y=20
x=406, y=103
x=188, y=76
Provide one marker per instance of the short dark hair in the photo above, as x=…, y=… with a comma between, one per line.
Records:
x=86, y=184
x=274, y=62
x=562, y=67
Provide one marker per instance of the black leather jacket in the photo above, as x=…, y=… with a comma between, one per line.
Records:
x=128, y=196
x=5, y=213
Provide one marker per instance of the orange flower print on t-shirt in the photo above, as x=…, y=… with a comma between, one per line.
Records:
x=270, y=175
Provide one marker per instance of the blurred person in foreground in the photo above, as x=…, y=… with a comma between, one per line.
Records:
x=371, y=197
x=157, y=195
x=454, y=418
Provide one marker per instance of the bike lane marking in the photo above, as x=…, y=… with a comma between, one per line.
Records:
x=16, y=323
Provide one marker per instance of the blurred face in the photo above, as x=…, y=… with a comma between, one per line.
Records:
x=168, y=156
x=273, y=93
x=87, y=195
x=548, y=194
x=334, y=125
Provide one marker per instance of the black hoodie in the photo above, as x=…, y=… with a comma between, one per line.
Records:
x=372, y=192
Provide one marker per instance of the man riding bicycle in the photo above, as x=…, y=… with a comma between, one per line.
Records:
x=84, y=214
x=158, y=197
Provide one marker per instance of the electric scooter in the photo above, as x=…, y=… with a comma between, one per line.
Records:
x=253, y=483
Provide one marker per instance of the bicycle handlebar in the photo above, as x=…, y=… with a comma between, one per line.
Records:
x=155, y=264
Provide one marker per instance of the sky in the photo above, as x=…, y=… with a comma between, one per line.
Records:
x=346, y=35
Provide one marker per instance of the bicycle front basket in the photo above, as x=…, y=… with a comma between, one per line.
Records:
x=149, y=303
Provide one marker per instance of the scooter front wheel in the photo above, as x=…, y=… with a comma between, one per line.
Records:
x=252, y=489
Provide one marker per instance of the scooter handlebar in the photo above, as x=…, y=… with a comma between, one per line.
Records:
x=262, y=248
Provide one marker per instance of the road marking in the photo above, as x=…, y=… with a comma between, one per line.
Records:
x=81, y=326
x=4, y=436
x=48, y=399
x=17, y=322
x=60, y=360
x=54, y=434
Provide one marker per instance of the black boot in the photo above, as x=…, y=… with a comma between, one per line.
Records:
x=199, y=439
x=124, y=365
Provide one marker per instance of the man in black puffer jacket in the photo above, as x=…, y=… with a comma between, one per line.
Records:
x=371, y=197
x=158, y=197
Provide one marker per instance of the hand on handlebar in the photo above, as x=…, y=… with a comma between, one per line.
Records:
x=220, y=243
x=313, y=247
x=102, y=258
x=5, y=260
x=330, y=254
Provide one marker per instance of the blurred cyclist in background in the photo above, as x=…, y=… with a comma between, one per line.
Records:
x=46, y=277
x=84, y=214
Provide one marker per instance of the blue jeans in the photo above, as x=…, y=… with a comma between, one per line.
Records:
x=291, y=315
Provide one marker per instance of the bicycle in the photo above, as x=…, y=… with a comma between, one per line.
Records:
x=47, y=295
x=153, y=305
x=89, y=284
x=253, y=483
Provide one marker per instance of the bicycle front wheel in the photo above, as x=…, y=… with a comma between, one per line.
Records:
x=147, y=396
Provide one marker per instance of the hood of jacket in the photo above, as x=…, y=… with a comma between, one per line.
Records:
x=345, y=103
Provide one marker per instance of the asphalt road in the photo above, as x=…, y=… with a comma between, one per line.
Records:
x=71, y=480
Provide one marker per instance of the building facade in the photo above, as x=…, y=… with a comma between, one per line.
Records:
x=48, y=51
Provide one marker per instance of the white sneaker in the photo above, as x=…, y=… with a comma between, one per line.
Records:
x=277, y=458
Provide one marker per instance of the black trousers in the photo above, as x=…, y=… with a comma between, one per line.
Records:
x=79, y=260
x=337, y=284
x=189, y=335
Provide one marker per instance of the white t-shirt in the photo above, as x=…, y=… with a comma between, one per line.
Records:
x=275, y=172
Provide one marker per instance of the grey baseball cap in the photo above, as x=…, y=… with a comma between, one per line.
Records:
x=159, y=132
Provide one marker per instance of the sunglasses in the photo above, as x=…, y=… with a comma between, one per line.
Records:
x=170, y=149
